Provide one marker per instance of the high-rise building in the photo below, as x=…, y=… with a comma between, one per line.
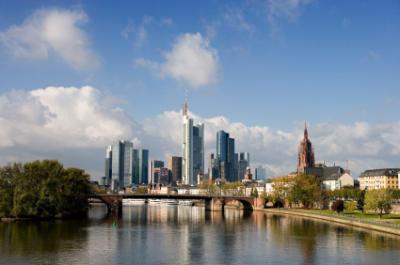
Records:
x=140, y=160
x=175, y=165
x=243, y=163
x=162, y=175
x=108, y=166
x=121, y=163
x=306, y=153
x=192, y=149
x=226, y=156
x=153, y=172
x=213, y=167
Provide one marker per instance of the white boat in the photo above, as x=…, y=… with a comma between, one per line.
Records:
x=133, y=201
x=186, y=202
x=163, y=202
x=154, y=201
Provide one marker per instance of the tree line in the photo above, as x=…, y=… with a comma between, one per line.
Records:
x=43, y=189
x=307, y=191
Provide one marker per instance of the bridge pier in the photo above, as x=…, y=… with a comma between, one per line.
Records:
x=259, y=203
x=215, y=205
x=115, y=208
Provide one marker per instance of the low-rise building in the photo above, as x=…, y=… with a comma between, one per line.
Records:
x=374, y=179
x=335, y=181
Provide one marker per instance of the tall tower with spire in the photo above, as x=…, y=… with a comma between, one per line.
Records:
x=306, y=153
x=192, y=148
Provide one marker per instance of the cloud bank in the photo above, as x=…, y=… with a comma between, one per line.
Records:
x=52, y=32
x=191, y=61
x=75, y=125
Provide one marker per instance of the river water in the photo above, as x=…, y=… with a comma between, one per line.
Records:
x=189, y=235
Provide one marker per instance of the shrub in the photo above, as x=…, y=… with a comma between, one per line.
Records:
x=338, y=206
x=350, y=206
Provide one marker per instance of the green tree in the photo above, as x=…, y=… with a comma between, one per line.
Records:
x=306, y=189
x=6, y=191
x=378, y=200
x=43, y=189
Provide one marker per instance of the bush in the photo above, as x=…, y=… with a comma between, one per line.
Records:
x=338, y=206
x=350, y=206
x=378, y=200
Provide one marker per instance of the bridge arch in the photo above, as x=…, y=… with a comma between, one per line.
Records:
x=247, y=204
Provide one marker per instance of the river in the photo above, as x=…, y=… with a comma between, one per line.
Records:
x=189, y=235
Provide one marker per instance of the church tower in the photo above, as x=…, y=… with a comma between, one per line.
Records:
x=306, y=153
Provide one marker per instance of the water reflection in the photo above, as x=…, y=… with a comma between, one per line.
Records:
x=189, y=235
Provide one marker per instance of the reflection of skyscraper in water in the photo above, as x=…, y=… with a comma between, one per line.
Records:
x=192, y=149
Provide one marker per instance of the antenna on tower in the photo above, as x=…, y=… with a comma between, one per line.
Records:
x=185, y=105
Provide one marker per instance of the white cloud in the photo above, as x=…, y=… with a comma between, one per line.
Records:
x=68, y=123
x=140, y=32
x=52, y=32
x=362, y=145
x=75, y=125
x=283, y=9
x=191, y=61
x=236, y=20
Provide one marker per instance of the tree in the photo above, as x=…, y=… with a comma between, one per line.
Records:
x=360, y=197
x=6, y=190
x=305, y=189
x=378, y=200
x=43, y=189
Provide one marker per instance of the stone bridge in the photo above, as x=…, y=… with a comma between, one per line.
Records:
x=212, y=203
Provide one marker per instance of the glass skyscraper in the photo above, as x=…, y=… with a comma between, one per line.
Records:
x=226, y=156
x=192, y=149
x=140, y=166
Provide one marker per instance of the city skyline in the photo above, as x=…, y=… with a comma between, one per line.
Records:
x=264, y=67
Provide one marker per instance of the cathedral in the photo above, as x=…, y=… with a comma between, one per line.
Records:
x=306, y=153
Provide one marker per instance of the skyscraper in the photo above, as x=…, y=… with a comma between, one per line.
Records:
x=192, y=149
x=175, y=165
x=108, y=166
x=244, y=162
x=213, y=167
x=122, y=163
x=153, y=172
x=226, y=156
x=306, y=153
x=140, y=164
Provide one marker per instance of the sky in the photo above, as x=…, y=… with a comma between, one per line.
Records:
x=76, y=75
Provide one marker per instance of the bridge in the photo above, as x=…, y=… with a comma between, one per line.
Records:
x=212, y=202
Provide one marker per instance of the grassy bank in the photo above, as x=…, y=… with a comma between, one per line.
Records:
x=388, y=223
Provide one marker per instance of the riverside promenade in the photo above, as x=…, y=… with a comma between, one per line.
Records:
x=393, y=229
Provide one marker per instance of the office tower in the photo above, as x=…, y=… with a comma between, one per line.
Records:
x=226, y=156
x=140, y=164
x=261, y=173
x=161, y=174
x=153, y=172
x=213, y=167
x=108, y=166
x=306, y=153
x=175, y=165
x=122, y=163
x=198, y=151
x=192, y=149
x=244, y=162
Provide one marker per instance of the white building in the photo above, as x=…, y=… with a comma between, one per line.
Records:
x=337, y=182
x=192, y=149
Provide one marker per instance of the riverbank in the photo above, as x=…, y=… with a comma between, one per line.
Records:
x=341, y=219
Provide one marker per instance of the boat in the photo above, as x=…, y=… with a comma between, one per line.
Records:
x=133, y=201
x=186, y=202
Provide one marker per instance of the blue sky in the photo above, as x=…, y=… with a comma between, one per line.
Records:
x=278, y=62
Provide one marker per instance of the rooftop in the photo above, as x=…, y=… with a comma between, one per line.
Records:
x=380, y=172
